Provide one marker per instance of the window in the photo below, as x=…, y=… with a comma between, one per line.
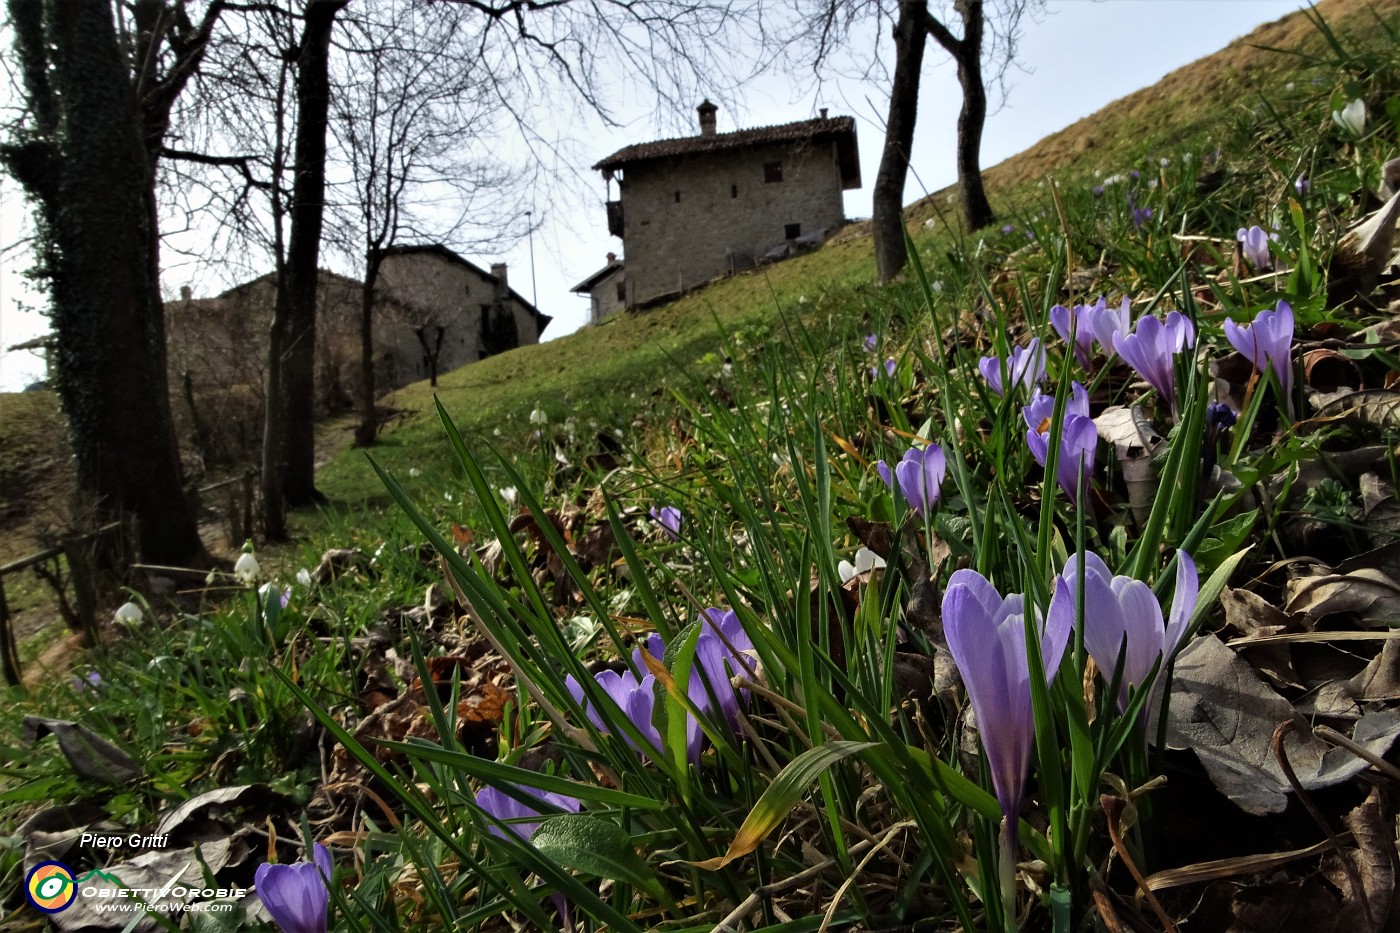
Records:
x=733, y=191
x=772, y=172
x=792, y=231
x=622, y=290
x=678, y=197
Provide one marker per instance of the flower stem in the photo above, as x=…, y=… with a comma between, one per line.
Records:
x=1008, y=874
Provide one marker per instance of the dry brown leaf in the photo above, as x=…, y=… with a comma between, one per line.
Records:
x=1374, y=407
x=1370, y=593
x=1373, y=860
x=1223, y=711
x=1252, y=616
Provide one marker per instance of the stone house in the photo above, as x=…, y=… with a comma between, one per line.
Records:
x=434, y=311
x=606, y=289
x=693, y=209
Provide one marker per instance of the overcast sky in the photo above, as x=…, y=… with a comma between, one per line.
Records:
x=1082, y=55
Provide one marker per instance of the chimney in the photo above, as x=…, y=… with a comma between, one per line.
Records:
x=612, y=258
x=186, y=293
x=707, y=113
x=498, y=271
x=823, y=111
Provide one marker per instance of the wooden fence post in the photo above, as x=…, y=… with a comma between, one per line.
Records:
x=80, y=573
x=9, y=657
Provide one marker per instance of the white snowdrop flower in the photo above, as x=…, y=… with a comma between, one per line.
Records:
x=866, y=560
x=930, y=224
x=1352, y=117
x=937, y=286
x=447, y=496
x=128, y=613
x=1151, y=183
x=1288, y=86
x=246, y=569
x=617, y=432
x=414, y=471
x=509, y=494
x=304, y=577
x=1164, y=161
x=496, y=432
x=538, y=416
x=728, y=367
x=802, y=299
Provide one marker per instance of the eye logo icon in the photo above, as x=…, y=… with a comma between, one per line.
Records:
x=50, y=887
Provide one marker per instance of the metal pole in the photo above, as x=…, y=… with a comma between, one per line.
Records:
x=530, y=231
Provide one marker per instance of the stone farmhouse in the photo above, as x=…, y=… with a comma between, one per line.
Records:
x=434, y=311
x=697, y=208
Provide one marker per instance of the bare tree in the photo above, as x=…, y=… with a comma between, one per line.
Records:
x=86, y=150
x=986, y=37
x=408, y=86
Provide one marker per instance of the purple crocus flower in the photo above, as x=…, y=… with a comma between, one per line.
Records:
x=504, y=807
x=1141, y=215
x=1303, y=185
x=987, y=637
x=889, y=368
x=1255, y=243
x=1107, y=324
x=636, y=697
x=1152, y=348
x=297, y=895
x=1008, y=229
x=726, y=651
x=1098, y=191
x=669, y=518
x=918, y=476
x=1119, y=610
x=1073, y=327
x=1079, y=437
x=871, y=342
x=91, y=681
x=1269, y=340
x=1026, y=367
x=1220, y=417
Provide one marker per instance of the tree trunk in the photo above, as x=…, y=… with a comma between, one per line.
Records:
x=298, y=298
x=89, y=172
x=275, y=424
x=887, y=217
x=364, y=434
x=977, y=211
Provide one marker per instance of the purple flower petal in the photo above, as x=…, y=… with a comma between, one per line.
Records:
x=296, y=895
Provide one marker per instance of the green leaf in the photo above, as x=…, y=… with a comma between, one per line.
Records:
x=596, y=847
x=221, y=919
x=781, y=796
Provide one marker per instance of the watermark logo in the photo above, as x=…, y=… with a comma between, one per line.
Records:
x=50, y=886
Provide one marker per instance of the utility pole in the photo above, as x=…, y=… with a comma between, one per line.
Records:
x=530, y=232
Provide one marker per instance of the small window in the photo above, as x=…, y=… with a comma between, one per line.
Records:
x=622, y=290
x=772, y=172
x=678, y=197
x=733, y=191
x=792, y=231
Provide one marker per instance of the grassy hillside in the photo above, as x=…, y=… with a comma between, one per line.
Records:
x=597, y=371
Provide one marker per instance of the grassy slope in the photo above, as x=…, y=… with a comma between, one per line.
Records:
x=594, y=372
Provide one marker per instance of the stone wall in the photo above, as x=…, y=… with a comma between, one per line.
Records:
x=690, y=219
